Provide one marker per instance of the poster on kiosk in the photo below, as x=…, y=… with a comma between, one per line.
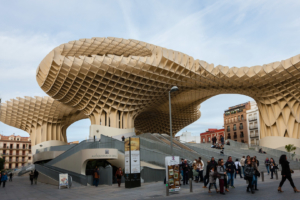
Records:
x=173, y=173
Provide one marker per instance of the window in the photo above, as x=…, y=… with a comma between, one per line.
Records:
x=243, y=141
x=242, y=116
x=226, y=121
x=228, y=128
x=234, y=127
x=239, y=118
x=242, y=134
x=235, y=118
x=203, y=140
x=209, y=139
x=241, y=125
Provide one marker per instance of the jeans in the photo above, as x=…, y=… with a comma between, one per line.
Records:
x=3, y=183
x=249, y=183
x=214, y=184
x=181, y=175
x=221, y=183
x=201, y=175
x=243, y=167
x=254, y=180
x=96, y=182
x=272, y=171
x=239, y=173
x=230, y=178
x=205, y=180
x=185, y=178
x=288, y=178
x=268, y=168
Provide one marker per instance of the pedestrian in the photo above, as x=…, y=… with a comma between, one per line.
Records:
x=248, y=158
x=186, y=169
x=286, y=173
x=0, y=178
x=195, y=171
x=181, y=170
x=238, y=168
x=222, y=140
x=119, y=174
x=256, y=172
x=201, y=168
x=3, y=179
x=212, y=180
x=221, y=171
x=10, y=177
x=257, y=161
x=213, y=163
x=31, y=176
x=36, y=175
x=272, y=167
x=96, y=176
x=249, y=173
x=267, y=164
x=243, y=164
x=206, y=177
x=230, y=168
x=123, y=138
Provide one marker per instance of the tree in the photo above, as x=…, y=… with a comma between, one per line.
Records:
x=289, y=148
x=1, y=163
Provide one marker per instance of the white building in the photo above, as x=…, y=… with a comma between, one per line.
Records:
x=188, y=137
x=253, y=124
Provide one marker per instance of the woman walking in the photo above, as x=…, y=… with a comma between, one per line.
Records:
x=119, y=175
x=254, y=165
x=272, y=167
x=286, y=173
x=200, y=166
x=249, y=173
x=221, y=171
x=267, y=163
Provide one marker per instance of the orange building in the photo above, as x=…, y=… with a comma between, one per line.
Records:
x=15, y=150
x=210, y=133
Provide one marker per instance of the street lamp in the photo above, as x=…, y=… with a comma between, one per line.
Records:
x=173, y=89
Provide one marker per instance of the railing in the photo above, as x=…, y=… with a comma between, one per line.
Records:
x=241, y=135
x=252, y=118
x=15, y=154
x=253, y=127
x=235, y=137
x=56, y=148
x=234, y=129
x=228, y=129
x=241, y=127
x=254, y=135
x=152, y=175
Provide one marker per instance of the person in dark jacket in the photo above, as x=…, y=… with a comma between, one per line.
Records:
x=249, y=172
x=36, y=175
x=31, y=176
x=213, y=163
x=10, y=176
x=123, y=138
x=286, y=173
x=96, y=176
x=119, y=174
x=230, y=168
x=222, y=139
x=206, y=177
x=186, y=169
x=4, y=179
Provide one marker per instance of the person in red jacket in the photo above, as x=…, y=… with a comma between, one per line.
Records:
x=119, y=175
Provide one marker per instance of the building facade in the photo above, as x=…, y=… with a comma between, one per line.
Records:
x=235, y=122
x=15, y=150
x=207, y=136
x=253, y=124
x=188, y=137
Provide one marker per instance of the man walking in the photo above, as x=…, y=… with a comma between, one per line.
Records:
x=185, y=169
x=222, y=140
x=230, y=167
x=96, y=176
x=35, y=176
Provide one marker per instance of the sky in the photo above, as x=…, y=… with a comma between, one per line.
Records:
x=232, y=33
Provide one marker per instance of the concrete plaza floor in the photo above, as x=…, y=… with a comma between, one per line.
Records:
x=20, y=188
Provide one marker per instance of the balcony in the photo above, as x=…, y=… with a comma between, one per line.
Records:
x=229, y=137
x=235, y=137
x=241, y=135
x=15, y=154
x=228, y=130
x=253, y=127
x=241, y=127
x=234, y=129
x=254, y=135
x=252, y=119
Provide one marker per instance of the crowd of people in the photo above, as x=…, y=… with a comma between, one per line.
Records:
x=226, y=171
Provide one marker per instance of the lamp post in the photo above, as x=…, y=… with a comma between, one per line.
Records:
x=173, y=89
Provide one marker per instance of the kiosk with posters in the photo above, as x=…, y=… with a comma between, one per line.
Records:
x=132, y=163
x=63, y=180
x=173, y=173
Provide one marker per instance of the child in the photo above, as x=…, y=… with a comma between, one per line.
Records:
x=212, y=180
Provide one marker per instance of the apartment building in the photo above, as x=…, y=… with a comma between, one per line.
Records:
x=207, y=136
x=235, y=122
x=253, y=124
x=15, y=150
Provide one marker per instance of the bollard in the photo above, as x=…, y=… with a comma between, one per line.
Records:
x=276, y=173
x=262, y=176
x=191, y=185
x=167, y=188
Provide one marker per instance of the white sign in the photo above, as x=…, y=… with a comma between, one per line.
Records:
x=169, y=161
x=135, y=162
x=63, y=180
x=127, y=162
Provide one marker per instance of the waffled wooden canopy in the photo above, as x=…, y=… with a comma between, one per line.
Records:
x=125, y=83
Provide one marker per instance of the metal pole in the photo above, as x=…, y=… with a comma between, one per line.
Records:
x=191, y=186
x=171, y=124
x=167, y=188
x=262, y=177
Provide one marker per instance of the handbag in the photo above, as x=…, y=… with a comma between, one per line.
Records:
x=257, y=173
x=216, y=175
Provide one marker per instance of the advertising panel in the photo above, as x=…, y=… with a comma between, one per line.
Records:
x=173, y=173
x=63, y=180
x=135, y=155
x=127, y=156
